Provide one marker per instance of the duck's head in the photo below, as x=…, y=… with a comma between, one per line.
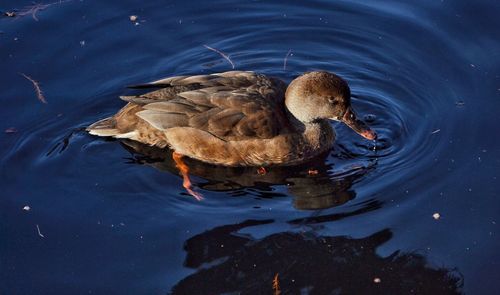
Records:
x=322, y=95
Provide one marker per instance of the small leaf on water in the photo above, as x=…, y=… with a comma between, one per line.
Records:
x=10, y=130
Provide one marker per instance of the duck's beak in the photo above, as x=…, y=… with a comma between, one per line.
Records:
x=357, y=125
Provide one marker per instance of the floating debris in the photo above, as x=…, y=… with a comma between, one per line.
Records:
x=436, y=131
x=39, y=233
x=38, y=90
x=26, y=208
x=436, y=216
x=134, y=19
x=10, y=14
x=10, y=130
x=460, y=103
x=82, y=43
x=276, y=285
x=225, y=56
x=286, y=59
x=377, y=280
x=261, y=171
x=35, y=8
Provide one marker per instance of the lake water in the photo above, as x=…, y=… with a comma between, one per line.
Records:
x=415, y=212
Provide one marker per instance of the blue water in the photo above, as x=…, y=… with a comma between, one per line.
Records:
x=107, y=217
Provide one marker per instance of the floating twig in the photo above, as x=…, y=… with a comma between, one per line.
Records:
x=39, y=233
x=435, y=131
x=276, y=285
x=35, y=8
x=286, y=59
x=225, y=56
x=38, y=90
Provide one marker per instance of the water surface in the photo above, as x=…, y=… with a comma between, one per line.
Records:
x=111, y=217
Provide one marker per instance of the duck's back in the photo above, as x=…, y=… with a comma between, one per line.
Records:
x=232, y=106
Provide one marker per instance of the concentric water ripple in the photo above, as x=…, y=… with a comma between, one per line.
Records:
x=423, y=75
x=392, y=78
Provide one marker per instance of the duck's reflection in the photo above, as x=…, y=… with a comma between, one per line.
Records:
x=228, y=262
x=313, y=185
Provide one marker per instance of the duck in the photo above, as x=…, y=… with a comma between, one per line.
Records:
x=236, y=118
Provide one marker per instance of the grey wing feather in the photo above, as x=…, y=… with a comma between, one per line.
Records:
x=197, y=97
x=163, y=121
x=173, y=106
x=200, y=121
x=223, y=122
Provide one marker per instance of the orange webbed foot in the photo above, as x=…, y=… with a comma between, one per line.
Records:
x=184, y=169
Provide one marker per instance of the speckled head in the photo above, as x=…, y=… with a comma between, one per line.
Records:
x=324, y=95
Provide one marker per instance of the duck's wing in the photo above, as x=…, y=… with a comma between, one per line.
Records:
x=232, y=105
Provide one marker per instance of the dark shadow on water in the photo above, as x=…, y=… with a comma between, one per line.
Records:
x=313, y=185
x=228, y=262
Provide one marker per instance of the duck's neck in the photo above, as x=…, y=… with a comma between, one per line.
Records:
x=295, y=123
x=317, y=135
x=299, y=114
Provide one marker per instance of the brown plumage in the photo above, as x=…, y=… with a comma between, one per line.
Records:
x=236, y=118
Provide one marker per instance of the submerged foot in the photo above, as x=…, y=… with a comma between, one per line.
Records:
x=184, y=169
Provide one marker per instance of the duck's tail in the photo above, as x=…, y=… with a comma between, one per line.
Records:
x=107, y=127
x=104, y=127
